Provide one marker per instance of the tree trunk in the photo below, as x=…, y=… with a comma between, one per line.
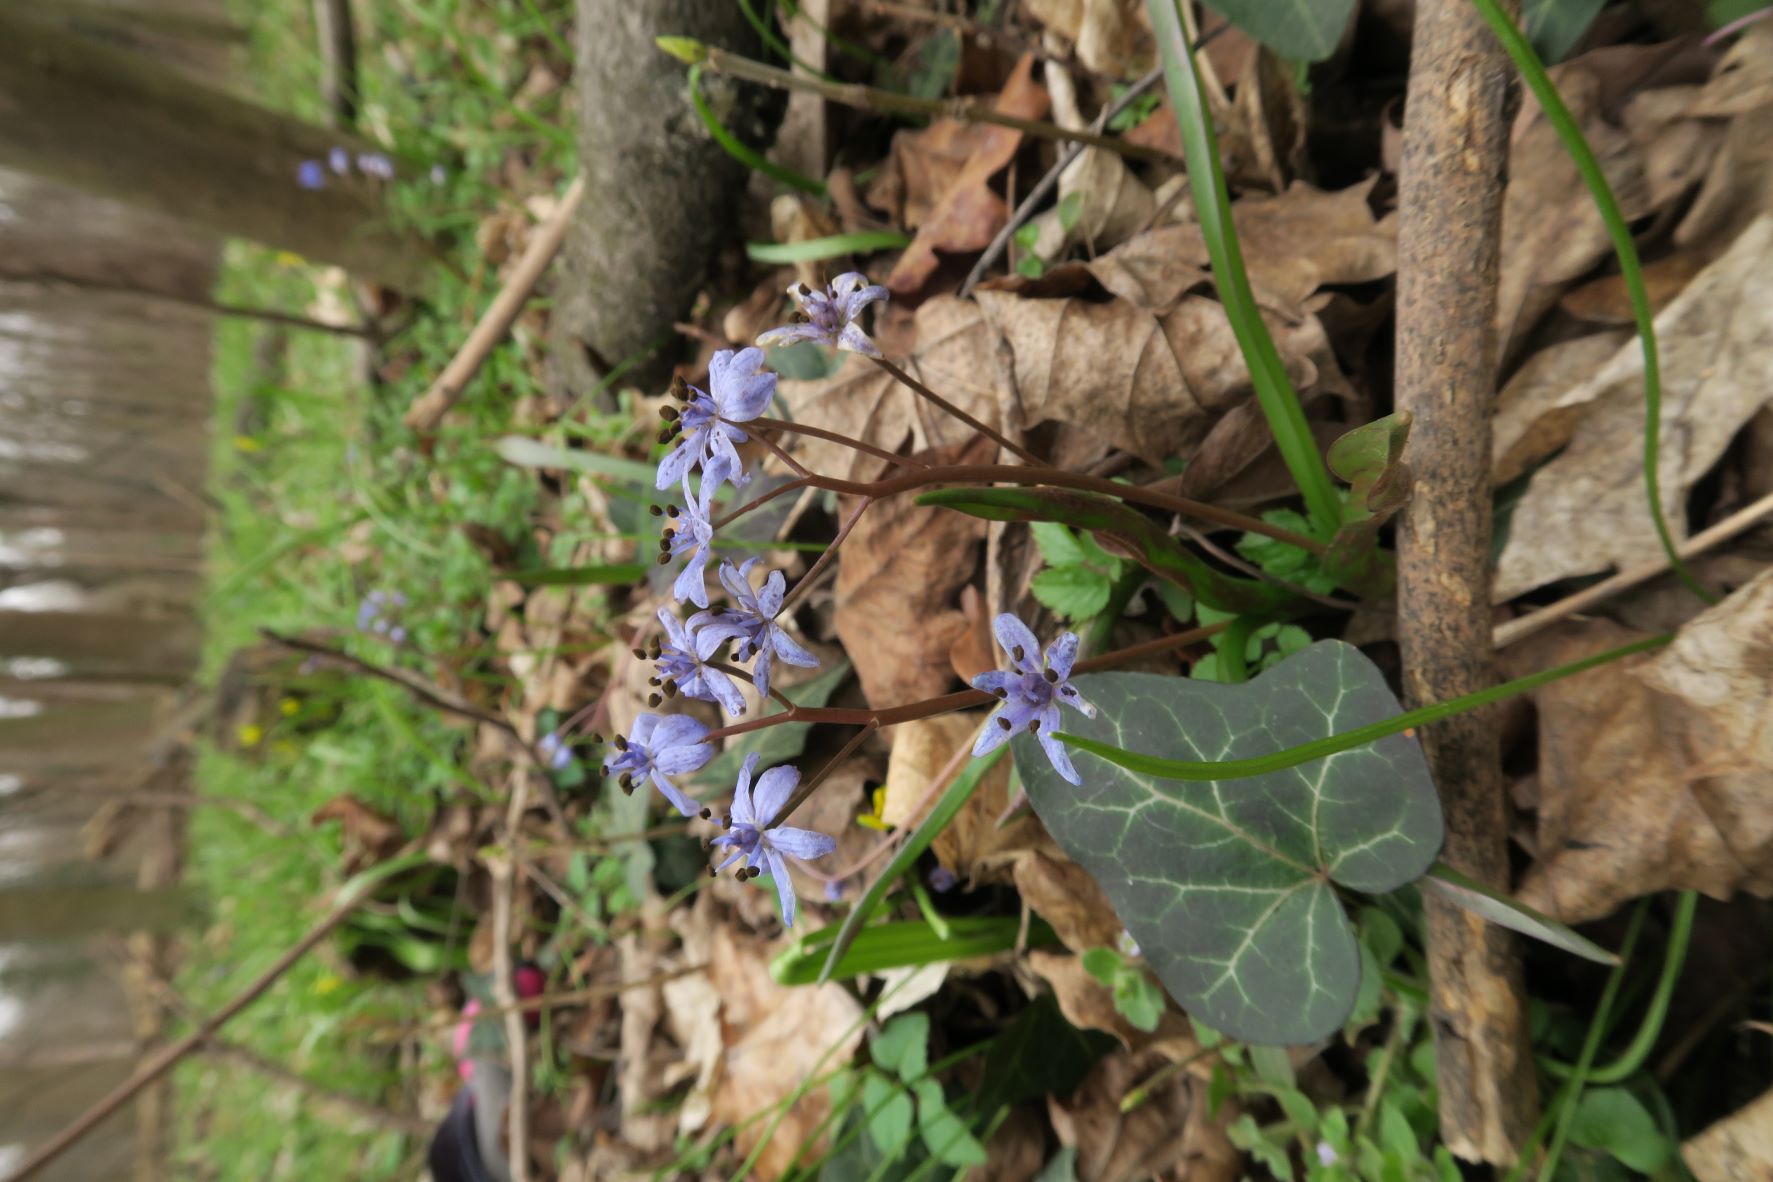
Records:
x=99, y=647
x=1450, y=216
x=660, y=194
x=125, y=126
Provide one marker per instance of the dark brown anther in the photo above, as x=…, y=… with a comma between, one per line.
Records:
x=627, y=781
x=670, y=689
x=639, y=653
x=665, y=544
x=1052, y=677
x=652, y=681
x=706, y=813
x=671, y=511
x=655, y=510
x=627, y=790
x=621, y=743
x=653, y=699
x=1016, y=652
x=606, y=769
x=713, y=873
x=669, y=413
x=726, y=822
x=665, y=435
x=597, y=737
x=1001, y=692
x=679, y=389
x=1034, y=726
x=664, y=560
x=1005, y=723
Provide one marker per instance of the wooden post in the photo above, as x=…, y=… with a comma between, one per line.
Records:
x=126, y=126
x=1450, y=199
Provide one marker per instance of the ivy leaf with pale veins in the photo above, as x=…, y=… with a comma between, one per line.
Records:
x=1229, y=887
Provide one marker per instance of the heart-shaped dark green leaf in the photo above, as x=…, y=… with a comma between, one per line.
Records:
x=1228, y=887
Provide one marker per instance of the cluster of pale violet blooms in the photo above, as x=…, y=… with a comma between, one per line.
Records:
x=706, y=428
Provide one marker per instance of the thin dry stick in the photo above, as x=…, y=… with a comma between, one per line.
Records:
x=1699, y=543
x=504, y=987
x=879, y=453
x=325, y=1098
x=496, y=321
x=164, y=1060
x=974, y=110
x=430, y=694
x=1449, y=232
x=942, y=403
x=1050, y=181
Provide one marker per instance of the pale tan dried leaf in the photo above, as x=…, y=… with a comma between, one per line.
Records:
x=1292, y=244
x=1740, y=177
x=1534, y=413
x=953, y=357
x=1150, y=385
x=1738, y=1148
x=776, y=1037
x=1634, y=795
x=898, y=579
x=1721, y=664
x=1584, y=511
x=1063, y=893
x=1089, y=1005
x=1113, y=37
x=971, y=845
x=1110, y=203
x=1605, y=300
x=1170, y=1130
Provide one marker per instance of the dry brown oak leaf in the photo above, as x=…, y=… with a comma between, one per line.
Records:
x=939, y=180
x=953, y=357
x=899, y=577
x=1171, y=1131
x=972, y=845
x=1585, y=511
x=1638, y=790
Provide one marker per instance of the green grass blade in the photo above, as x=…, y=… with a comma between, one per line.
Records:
x=1274, y=391
x=902, y=945
x=739, y=150
x=836, y=246
x=958, y=793
x=1498, y=908
x=1515, y=44
x=1235, y=769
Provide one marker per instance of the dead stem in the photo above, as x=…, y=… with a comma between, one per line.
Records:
x=805, y=582
x=936, y=400
x=833, y=437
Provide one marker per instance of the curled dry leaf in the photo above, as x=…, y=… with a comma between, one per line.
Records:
x=775, y=1038
x=1113, y=37
x=1534, y=414
x=1171, y=1129
x=1063, y=893
x=953, y=358
x=1639, y=790
x=1089, y=1005
x=1738, y=1148
x=1152, y=385
x=938, y=180
x=972, y=845
x=1721, y=664
x=1739, y=180
x=898, y=578
x=1585, y=511
x=1107, y=203
x=370, y=837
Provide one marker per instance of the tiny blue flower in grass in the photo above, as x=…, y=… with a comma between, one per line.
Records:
x=751, y=836
x=751, y=622
x=690, y=530
x=832, y=315
x=556, y=752
x=660, y=747
x=680, y=667
x=376, y=614
x=739, y=389
x=311, y=174
x=376, y=164
x=339, y=161
x=1031, y=689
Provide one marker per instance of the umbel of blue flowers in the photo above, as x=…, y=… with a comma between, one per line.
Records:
x=739, y=390
x=752, y=835
x=833, y=315
x=658, y=748
x=750, y=622
x=1031, y=690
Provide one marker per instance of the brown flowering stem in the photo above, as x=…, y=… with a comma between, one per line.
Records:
x=936, y=400
x=868, y=98
x=805, y=582
x=959, y=700
x=776, y=449
x=807, y=789
x=844, y=440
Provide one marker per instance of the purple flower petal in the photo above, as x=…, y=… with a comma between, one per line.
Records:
x=1014, y=635
x=791, y=334
x=744, y=810
x=774, y=788
x=789, y=650
x=778, y=870
x=741, y=388
x=991, y=737
x=851, y=339
x=1057, y=756
x=800, y=843
x=676, y=464
x=994, y=680
x=679, y=800
x=1062, y=654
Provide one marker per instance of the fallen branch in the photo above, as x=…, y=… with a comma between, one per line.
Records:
x=1449, y=235
x=544, y=243
x=423, y=690
x=504, y=981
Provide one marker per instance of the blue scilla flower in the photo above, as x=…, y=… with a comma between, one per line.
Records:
x=750, y=621
x=339, y=161
x=378, y=614
x=311, y=174
x=739, y=389
x=832, y=315
x=690, y=531
x=555, y=751
x=681, y=670
x=659, y=747
x=752, y=836
x=1031, y=690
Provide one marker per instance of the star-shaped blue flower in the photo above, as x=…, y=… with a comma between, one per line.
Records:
x=739, y=389
x=762, y=845
x=751, y=621
x=1031, y=689
x=691, y=531
x=678, y=663
x=658, y=747
x=832, y=315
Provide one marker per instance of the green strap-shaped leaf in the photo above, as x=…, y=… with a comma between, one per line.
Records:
x=1228, y=887
x=1302, y=30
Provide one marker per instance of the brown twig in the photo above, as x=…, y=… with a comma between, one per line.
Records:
x=941, y=403
x=1050, y=181
x=504, y=980
x=806, y=582
x=1739, y=521
x=868, y=98
x=1449, y=232
x=164, y=1060
x=431, y=695
x=496, y=321
x=879, y=453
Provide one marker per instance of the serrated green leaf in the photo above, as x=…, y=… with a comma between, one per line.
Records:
x=1614, y=1121
x=887, y=1108
x=1301, y=30
x=1074, y=592
x=903, y=1046
x=1229, y=887
x=1058, y=545
x=1070, y=210
x=943, y=1133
